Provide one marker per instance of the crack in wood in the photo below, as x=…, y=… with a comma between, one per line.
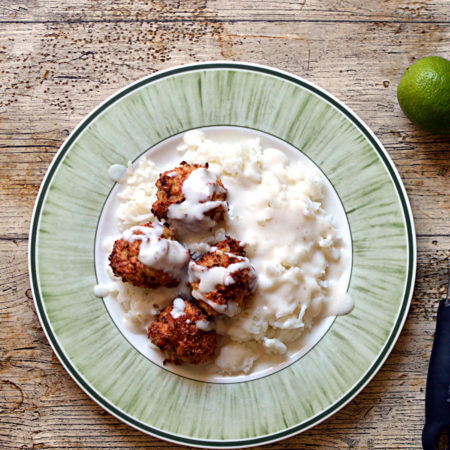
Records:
x=15, y=237
x=193, y=19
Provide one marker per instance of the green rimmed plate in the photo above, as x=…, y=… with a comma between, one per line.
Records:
x=120, y=378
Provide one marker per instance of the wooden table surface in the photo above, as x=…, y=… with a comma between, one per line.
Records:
x=60, y=58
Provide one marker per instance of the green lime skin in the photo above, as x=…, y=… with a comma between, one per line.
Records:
x=424, y=94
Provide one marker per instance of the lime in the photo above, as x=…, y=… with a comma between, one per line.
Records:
x=424, y=94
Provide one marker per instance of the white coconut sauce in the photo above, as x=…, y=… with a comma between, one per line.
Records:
x=204, y=325
x=102, y=290
x=178, y=307
x=157, y=252
x=116, y=172
x=198, y=189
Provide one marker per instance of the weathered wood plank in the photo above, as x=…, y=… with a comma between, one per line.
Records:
x=230, y=10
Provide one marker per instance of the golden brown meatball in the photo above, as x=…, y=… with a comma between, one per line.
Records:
x=182, y=331
x=125, y=262
x=222, y=279
x=202, y=210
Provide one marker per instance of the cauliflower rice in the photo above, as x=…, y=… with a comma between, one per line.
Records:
x=277, y=207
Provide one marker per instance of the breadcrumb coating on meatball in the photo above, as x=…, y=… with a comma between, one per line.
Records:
x=234, y=294
x=176, y=333
x=124, y=262
x=230, y=245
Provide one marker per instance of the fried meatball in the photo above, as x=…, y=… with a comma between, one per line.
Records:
x=190, y=197
x=182, y=331
x=148, y=256
x=222, y=279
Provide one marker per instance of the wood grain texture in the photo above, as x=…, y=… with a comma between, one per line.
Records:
x=59, y=59
x=226, y=10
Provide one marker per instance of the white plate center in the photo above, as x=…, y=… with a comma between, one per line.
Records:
x=165, y=156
